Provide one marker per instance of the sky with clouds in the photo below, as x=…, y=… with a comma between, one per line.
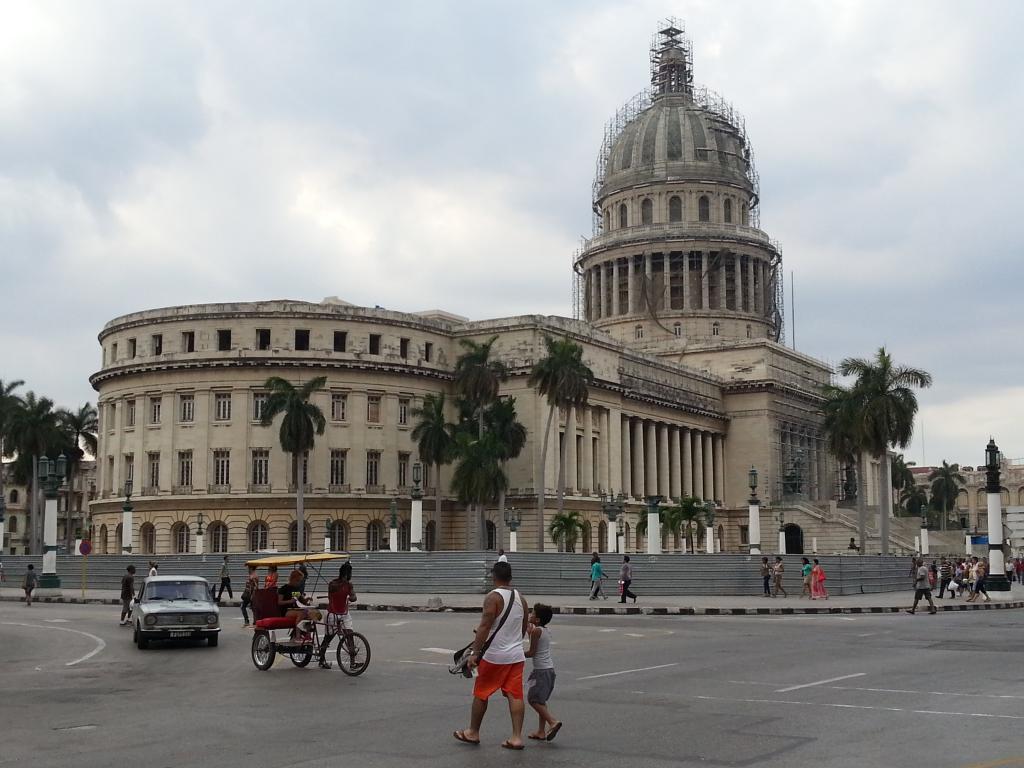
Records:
x=404, y=153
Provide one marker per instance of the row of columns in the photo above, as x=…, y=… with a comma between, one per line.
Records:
x=802, y=451
x=685, y=280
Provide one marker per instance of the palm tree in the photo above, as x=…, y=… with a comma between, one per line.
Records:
x=301, y=423
x=80, y=427
x=33, y=431
x=840, y=426
x=915, y=501
x=509, y=437
x=433, y=436
x=565, y=527
x=886, y=407
x=478, y=378
x=477, y=480
x=679, y=516
x=8, y=403
x=946, y=484
x=902, y=477
x=564, y=379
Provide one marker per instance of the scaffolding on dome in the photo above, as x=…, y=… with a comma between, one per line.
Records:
x=671, y=59
x=777, y=295
x=577, y=284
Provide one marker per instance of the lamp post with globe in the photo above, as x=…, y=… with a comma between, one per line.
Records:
x=126, y=519
x=613, y=507
x=996, y=578
x=753, y=514
x=709, y=524
x=416, y=509
x=51, y=477
x=513, y=518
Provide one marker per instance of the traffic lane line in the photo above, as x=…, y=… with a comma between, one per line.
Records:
x=100, y=642
x=628, y=671
x=1003, y=696
x=835, y=705
x=820, y=682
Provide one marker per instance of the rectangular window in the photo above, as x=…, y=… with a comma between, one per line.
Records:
x=263, y=338
x=222, y=467
x=112, y=421
x=153, y=460
x=337, y=467
x=340, y=341
x=157, y=343
x=259, y=402
x=129, y=468
x=188, y=341
x=185, y=469
x=129, y=413
x=222, y=406
x=224, y=340
x=403, y=410
x=131, y=348
x=374, y=343
x=403, y=470
x=109, y=484
x=260, y=466
x=339, y=407
x=428, y=351
x=373, y=409
x=154, y=409
x=744, y=535
x=302, y=340
x=113, y=352
x=403, y=348
x=187, y=408
x=372, y=467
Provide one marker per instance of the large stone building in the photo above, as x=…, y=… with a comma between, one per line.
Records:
x=677, y=303
x=17, y=502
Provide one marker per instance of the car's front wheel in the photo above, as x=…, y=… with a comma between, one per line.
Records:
x=140, y=639
x=212, y=640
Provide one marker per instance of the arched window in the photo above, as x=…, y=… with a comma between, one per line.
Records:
x=675, y=208
x=720, y=544
x=963, y=499
x=745, y=213
x=677, y=329
x=750, y=332
x=430, y=537
x=147, y=538
x=491, y=532
x=118, y=534
x=404, y=536
x=625, y=537
x=13, y=525
x=293, y=535
x=14, y=496
x=715, y=328
x=258, y=534
x=623, y=216
x=586, y=537
x=374, y=535
x=727, y=211
x=218, y=535
x=1004, y=497
x=337, y=532
x=102, y=544
x=181, y=542
x=602, y=537
x=638, y=332
x=704, y=209
x=647, y=211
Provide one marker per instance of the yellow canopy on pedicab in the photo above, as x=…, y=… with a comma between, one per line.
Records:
x=295, y=559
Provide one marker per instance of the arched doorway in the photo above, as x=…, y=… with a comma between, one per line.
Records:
x=794, y=539
x=602, y=537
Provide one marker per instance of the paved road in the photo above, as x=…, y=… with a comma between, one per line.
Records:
x=941, y=691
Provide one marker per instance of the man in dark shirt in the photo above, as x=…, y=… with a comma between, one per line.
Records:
x=127, y=594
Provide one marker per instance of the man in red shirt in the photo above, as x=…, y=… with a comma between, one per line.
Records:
x=340, y=593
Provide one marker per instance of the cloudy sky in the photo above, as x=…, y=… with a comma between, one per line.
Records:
x=166, y=153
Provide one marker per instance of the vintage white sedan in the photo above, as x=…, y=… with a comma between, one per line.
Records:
x=176, y=607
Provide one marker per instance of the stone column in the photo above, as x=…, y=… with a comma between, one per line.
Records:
x=675, y=488
x=704, y=288
x=611, y=434
x=571, y=464
x=616, y=309
x=709, y=472
x=719, y=469
x=664, y=489
x=698, y=464
x=626, y=463
x=638, y=458
x=651, y=458
x=595, y=294
x=687, y=461
x=631, y=302
x=648, y=299
x=737, y=272
x=586, y=458
x=686, y=280
x=666, y=276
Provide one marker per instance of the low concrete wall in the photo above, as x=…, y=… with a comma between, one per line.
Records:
x=539, y=574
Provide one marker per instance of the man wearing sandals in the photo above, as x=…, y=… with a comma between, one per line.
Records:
x=498, y=657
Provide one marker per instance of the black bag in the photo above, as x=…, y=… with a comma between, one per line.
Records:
x=460, y=659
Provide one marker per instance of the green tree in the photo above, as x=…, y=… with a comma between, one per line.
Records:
x=9, y=402
x=33, y=429
x=302, y=421
x=478, y=378
x=80, y=427
x=946, y=482
x=839, y=411
x=678, y=517
x=902, y=477
x=564, y=379
x=914, y=500
x=886, y=407
x=477, y=479
x=434, y=441
x=565, y=528
x=509, y=437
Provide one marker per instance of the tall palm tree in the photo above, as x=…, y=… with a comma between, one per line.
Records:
x=679, y=516
x=565, y=527
x=564, y=379
x=509, y=436
x=915, y=501
x=478, y=378
x=302, y=421
x=902, y=477
x=477, y=480
x=434, y=441
x=946, y=484
x=34, y=431
x=887, y=405
x=80, y=427
x=840, y=426
x=8, y=403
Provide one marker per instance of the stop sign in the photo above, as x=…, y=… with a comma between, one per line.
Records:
x=85, y=547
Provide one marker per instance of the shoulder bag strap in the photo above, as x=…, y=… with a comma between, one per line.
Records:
x=504, y=617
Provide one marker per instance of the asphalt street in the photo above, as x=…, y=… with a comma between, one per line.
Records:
x=937, y=691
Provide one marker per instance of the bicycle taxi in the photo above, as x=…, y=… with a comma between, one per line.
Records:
x=302, y=639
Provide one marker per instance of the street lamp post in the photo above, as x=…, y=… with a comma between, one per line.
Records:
x=996, y=578
x=613, y=507
x=709, y=526
x=416, y=511
x=513, y=517
x=393, y=533
x=3, y=511
x=653, y=525
x=782, y=533
x=327, y=536
x=199, y=534
x=753, y=514
x=126, y=519
x=51, y=476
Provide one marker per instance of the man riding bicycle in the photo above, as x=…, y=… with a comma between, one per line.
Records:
x=340, y=593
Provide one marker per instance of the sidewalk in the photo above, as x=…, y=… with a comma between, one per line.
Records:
x=685, y=605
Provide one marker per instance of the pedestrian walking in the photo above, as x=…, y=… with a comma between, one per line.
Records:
x=818, y=591
x=127, y=595
x=152, y=569
x=597, y=576
x=625, y=579
x=778, y=571
x=1009, y=570
x=497, y=655
x=946, y=578
x=922, y=588
x=270, y=580
x=28, y=583
x=805, y=572
x=1020, y=569
x=502, y=557
x=766, y=577
x=252, y=583
x=225, y=580
x=981, y=571
x=541, y=683
x=2, y=577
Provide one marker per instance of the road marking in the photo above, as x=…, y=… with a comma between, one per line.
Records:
x=633, y=634
x=76, y=728
x=396, y=624
x=56, y=621
x=607, y=630
x=100, y=642
x=628, y=671
x=820, y=682
x=1010, y=761
x=428, y=663
x=438, y=650
x=927, y=693
x=862, y=706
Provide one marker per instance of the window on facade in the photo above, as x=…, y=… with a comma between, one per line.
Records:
x=157, y=343
x=153, y=461
x=339, y=406
x=131, y=348
x=129, y=468
x=428, y=351
x=373, y=409
x=258, y=536
x=13, y=526
x=293, y=536
x=745, y=214
x=302, y=340
x=704, y=209
x=403, y=410
x=222, y=406
x=677, y=329
x=430, y=536
x=340, y=341
x=404, y=535
x=14, y=497
x=374, y=343
x=492, y=534
x=749, y=332
x=155, y=404
x=218, y=534
x=185, y=469
x=222, y=467
x=607, y=220
x=623, y=216
x=224, y=340
x=675, y=208
x=403, y=470
x=113, y=352
x=337, y=532
x=186, y=408
x=715, y=328
x=727, y=211
x=188, y=341
x=147, y=538
x=259, y=403
x=260, y=466
x=647, y=211
x=337, y=467
x=372, y=468
x=112, y=414
x=180, y=537
x=638, y=332
x=304, y=468
x=129, y=413
x=403, y=349
x=374, y=535
x=103, y=540
x=263, y=338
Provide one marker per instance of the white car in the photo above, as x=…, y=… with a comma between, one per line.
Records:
x=174, y=607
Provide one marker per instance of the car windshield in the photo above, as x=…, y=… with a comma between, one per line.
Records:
x=177, y=590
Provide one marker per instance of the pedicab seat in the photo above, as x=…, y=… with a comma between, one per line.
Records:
x=277, y=622
x=264, y=605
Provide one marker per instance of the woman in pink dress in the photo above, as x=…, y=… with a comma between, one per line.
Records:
x=818, y=582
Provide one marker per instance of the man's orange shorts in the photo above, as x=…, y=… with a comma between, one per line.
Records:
x=492, y=677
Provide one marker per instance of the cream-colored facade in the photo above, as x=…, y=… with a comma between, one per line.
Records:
x=677, y=311
x=17, y=502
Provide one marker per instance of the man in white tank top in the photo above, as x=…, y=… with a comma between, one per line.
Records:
x=498, y=657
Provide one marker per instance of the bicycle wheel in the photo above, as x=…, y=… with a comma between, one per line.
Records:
x=301, y=657
x=262, y=651
x=353, y=654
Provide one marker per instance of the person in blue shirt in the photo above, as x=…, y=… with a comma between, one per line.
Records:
x=597, y=575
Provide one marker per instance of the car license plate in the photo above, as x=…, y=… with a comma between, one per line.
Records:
x=186, y=633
